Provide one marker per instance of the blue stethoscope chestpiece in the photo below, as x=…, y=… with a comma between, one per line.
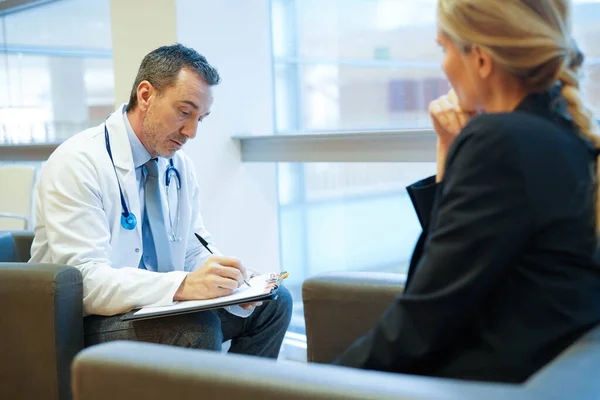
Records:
x=128, y=222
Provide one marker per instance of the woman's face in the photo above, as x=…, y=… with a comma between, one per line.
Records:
x=458, y=67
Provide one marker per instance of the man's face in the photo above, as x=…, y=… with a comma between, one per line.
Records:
x=172, y=117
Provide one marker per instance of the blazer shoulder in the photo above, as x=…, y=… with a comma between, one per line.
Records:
x=525, y=132
x=519, y=125
x=483, y=135
x=505, y=124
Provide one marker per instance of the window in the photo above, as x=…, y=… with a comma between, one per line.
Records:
x=350, y=65
x=343, y=65
x=363, y=66
x=354, y=64
x=53, y=82
x=345, y=216
x=586, y=14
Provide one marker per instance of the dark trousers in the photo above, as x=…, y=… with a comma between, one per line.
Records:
x=260, y=334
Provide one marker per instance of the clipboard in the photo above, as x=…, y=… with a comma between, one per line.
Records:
x=263, y=288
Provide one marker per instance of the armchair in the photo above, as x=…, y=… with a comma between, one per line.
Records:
x=41, y=322
x=125, y=370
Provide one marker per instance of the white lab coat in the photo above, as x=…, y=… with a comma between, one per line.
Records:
x=78, y=211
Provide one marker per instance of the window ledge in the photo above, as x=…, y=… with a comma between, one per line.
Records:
x=364, y=146
x=27, y=151
x=375, y=146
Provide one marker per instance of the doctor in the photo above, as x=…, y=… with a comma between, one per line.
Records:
x=121, y=203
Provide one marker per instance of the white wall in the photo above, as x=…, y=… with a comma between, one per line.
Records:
x=137, y=28
x=239, y=200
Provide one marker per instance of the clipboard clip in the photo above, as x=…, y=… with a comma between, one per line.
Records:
x=276, y=278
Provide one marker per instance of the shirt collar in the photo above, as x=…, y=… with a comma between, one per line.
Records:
x=138, y=151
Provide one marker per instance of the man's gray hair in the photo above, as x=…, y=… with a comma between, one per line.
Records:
x=162, y=66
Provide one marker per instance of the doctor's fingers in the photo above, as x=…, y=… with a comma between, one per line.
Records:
x=220, y=292
x=230, y=262
x=213, y=292
x=228, y=273
x=221, y=284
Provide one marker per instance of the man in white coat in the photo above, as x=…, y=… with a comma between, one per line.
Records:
x=103, y=205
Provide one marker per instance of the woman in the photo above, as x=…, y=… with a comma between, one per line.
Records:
x=503, y=278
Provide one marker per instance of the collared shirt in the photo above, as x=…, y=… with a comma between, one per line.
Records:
x=140, y=157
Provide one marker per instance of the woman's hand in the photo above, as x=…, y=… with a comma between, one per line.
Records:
x=448, y=120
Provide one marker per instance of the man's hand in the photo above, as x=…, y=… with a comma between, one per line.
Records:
x=218, y=276
x=250, y=306
x=448, y=120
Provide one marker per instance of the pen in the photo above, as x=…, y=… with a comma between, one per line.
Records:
x=205, y=244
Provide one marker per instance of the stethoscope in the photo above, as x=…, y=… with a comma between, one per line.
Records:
x=128, y=219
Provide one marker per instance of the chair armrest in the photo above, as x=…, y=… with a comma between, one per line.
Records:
x=574, y=373
x=41, y=328
x=343, y=306
x=131, y=370
x=23, y=241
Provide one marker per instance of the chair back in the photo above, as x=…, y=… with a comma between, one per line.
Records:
x=8, y=250
x=15, y=246
x=16, y=202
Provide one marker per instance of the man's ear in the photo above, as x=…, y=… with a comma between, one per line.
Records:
x=484, y=62
x=145, y=91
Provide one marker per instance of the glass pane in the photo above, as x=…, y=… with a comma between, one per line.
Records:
x=283, y=33
x=345, y=216
x=51, y=98
x=54, y=83
x=342, y=98
x=2, y=29
x=591, y=86
x=586, y=30
x=68, y=23
x=286, y=98
x=354, y=64
x=367, y=29
x=374, y=64
x=99, y=88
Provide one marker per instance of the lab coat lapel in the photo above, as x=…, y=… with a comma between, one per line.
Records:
x=123, y=159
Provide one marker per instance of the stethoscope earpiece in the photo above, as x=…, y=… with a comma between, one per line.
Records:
x=128, y=222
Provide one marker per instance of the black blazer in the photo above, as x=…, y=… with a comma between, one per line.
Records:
x=502, y=278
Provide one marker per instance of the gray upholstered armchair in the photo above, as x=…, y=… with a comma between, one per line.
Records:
x=126, y=370
x=41, y=324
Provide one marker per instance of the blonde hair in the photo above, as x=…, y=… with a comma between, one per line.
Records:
x=530, y=39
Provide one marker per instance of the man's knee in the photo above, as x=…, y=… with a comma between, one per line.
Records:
x=284, y=304
x=199, y=330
